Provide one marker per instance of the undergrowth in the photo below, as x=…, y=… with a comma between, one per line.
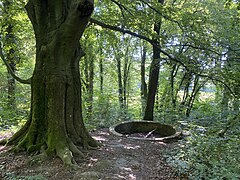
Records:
x=203, y=154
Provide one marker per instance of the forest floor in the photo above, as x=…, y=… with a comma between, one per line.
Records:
x=117, y=158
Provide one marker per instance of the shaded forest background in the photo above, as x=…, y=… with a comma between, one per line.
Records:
x=191, y=48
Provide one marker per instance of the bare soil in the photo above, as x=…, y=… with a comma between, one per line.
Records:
x=117, y=158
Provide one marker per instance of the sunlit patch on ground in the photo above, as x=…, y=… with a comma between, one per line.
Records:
x=117, y=158
x=130, y=146
x=6, y=134
x=160, y=142
x=99, y=138
x=92, y=161
x=132, y=177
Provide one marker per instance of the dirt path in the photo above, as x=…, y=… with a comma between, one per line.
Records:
x=118, y=158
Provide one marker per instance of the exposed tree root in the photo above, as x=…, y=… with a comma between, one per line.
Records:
x=75, y=150
x=66, y=156
x=29, y=139
x=66, y=152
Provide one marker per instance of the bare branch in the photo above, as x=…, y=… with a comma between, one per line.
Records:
x=161, y=14
x=122, y=7
x=200, y=47
x=115, y=28
x=28, y=81
x=124, y=31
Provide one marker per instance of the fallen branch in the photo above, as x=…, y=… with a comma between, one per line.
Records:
x=150, y=133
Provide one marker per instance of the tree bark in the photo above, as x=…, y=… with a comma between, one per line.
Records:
x=56, y=122
x=126, y=75
x=143, y=82
x=120, y=84
x=173, y=74
x=153, y=75
x=101, y=72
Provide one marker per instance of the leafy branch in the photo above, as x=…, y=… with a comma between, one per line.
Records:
x=152, y=42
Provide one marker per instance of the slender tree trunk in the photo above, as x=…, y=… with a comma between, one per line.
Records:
x=196, y=88
x=126, y=71
x=89, y=75
x=90, y=90
x=153, y=75
x=101, y=72
x=191, y=99
x=9, y=44
x=120, y=84
x=143, y=82
x=56, y=122
x=172, y=76
x=88, y=65
x=125, y=81
x=11, y=82
x=187, y=78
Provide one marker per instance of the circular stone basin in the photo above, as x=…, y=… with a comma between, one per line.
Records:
x=146, y=130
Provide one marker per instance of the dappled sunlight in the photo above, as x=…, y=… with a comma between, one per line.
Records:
x=126, y=169
x=118, y=176
x=129, y=177
x=130, y=146
x=6, y=133
x=132, y=177
x=108, y=149
x=99, y=138
x=92, y=162
x=103, y=133
x=3, y=149
x=160, y=143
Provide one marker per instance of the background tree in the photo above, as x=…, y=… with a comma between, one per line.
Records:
x=9, y=45
x=14, y=47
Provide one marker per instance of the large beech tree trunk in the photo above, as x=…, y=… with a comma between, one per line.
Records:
x=56, y=122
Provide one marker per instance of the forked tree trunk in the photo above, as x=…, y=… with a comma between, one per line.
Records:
x=56, y=122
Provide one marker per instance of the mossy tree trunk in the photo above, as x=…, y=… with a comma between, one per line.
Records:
x=56, y=123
